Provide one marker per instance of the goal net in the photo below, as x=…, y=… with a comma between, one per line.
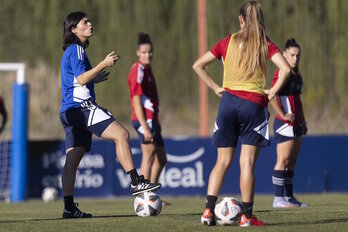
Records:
x=13, y=140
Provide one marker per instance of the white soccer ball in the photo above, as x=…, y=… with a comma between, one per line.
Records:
x=228, y=211
x=49, y=194
x=147, y=204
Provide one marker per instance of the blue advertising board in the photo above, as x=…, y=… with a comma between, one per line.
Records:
x=321, y=167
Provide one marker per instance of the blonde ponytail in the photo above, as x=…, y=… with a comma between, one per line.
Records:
x=250, y=44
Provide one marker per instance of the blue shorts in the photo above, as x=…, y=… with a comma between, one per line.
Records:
x=80, y=123
x=155, y=128
x=284, y=132
x=238, y=117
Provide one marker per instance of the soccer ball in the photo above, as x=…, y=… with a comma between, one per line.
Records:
x=49, y=194
x=228, y=211
x=147, y=204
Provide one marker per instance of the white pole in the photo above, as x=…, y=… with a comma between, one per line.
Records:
x=18, y=67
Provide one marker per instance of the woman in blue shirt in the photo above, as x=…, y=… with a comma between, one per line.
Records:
x=81, y=116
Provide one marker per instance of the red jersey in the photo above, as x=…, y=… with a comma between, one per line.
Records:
x=142, y=82
x=220, y=51
x=289, y=98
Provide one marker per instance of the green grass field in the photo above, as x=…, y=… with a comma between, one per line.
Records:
x=327, y=212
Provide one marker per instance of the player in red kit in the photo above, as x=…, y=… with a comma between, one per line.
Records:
x=243, y=113
x=144, y=102
x=289, y=126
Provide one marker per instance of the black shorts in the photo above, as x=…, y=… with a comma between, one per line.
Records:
x=240, y=118
x=80, y=123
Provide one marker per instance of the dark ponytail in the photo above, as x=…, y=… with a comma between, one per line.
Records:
x=144, y=38
x=291, y=43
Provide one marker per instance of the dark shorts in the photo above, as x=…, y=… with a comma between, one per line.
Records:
x=238, y=117
x=284, y=132
x=155, y=128
x=80, y=123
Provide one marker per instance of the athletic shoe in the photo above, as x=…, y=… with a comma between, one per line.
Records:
x=75, y=213
x=253, y=221
x=144, y=186
x=282, y=203
x=293, y=200
x=208, y=218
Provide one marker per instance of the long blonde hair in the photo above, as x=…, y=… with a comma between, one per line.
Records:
x=250, y=43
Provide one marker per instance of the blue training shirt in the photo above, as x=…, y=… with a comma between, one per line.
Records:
x=74, y=63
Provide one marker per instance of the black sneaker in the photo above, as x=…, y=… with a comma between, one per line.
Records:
x=144, y=186
x=75, y=213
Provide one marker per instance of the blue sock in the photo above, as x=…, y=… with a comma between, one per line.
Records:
x=289, y=187
x=278, y=180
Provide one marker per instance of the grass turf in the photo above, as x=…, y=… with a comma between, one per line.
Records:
x=327, y=212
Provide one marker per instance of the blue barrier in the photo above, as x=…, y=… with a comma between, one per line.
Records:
x=321, y=167
x=19, y=150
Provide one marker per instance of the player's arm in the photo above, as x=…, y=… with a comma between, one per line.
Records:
x=89, y=75
x=279, y=110
x=200, y=67
x=284, y=74
x=303, y=122
x=139, y=112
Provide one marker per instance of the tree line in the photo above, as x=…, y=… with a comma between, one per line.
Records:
x=31, y=32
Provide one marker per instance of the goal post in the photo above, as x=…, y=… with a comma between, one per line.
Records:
x=19, y=152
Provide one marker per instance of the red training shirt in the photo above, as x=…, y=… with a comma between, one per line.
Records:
x=142, y=82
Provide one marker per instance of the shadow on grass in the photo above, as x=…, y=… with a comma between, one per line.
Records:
x=326, y=221
x=58, y=219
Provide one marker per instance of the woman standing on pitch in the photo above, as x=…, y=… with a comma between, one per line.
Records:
x=243, y=108
x=289, y=126
x=81, y=116
x=144, y=102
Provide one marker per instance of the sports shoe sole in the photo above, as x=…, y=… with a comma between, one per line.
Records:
x=72, y=217
x=146, y=190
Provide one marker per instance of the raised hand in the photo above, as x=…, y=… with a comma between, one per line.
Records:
x=111, y=59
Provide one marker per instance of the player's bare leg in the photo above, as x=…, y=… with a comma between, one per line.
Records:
x=73, y=158
x=120, y=136
x=217, y=175
x=147, y=160
x=295, y=151
x=247, y=161
x=158, y=164
x=284, y=153
x=216, y=179
x=248, y=157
